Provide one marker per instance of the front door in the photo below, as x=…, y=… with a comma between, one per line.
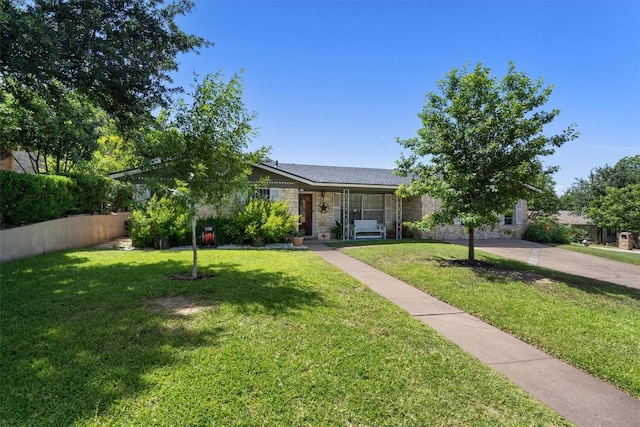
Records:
x=305, y=204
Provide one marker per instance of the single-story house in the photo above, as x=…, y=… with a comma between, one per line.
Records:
x=325, y=196
x=596, y=234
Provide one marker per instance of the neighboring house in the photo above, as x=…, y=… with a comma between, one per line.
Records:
x=322, y=195
x=16, y=161
x=598, y=235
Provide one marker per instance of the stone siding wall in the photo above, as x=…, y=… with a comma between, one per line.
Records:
x=290, y=195
x=415, y=208
x=323, y=221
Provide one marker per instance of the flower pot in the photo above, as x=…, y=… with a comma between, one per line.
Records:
x=297, y=241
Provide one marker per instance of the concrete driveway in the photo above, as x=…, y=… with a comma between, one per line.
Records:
x=562, y=260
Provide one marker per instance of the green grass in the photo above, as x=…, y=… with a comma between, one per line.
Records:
x=590, y=324
x=631, y=257
x=287, y=340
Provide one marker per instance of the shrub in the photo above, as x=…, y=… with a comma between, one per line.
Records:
x=91, y=193
x=547, y=231
x=261, y=222
x=221, y=224
x=26, y=198
x=120, y=196
x=578, y=234
x=159, y=223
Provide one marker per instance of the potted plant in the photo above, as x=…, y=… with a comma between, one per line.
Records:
x=298, y=238
x=336, y=230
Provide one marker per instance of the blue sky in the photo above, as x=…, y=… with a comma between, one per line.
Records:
x=335, y=82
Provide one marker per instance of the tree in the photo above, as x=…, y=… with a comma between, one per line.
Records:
x=116, y=53
x=201, y=147
x=480, y=143
x=618, y=208
x=56, y=132
x=114, y=153
x=584, y=192
x=544, y=201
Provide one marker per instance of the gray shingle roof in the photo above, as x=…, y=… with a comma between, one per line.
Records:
x=341, y=174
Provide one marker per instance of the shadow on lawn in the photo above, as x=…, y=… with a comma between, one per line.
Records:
x=79, y=335
x=496, y=269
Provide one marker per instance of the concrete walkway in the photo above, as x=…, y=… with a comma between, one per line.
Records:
x=575, y=263
x=577, y=396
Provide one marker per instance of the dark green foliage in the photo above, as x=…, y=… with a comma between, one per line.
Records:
x=116, y=53
x=120, y=196
x=548, y=231
x=160, y=222
x=90, y=192
x=26, y=198
x=618, y=208
x=585, y=192
x=221, y=225
x=262, y=222
x=545, y=202
x=337, y=230
x=57, y=130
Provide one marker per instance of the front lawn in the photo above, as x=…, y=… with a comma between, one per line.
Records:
x=274, y=338
x=590, y=324
x=631, y=257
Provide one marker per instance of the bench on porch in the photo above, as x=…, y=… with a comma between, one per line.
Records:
x=368, y=229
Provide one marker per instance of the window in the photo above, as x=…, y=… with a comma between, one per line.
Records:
x=263, y=193
x=141, y=192
x=508, y=218
x=367, y=206
x=272, y=194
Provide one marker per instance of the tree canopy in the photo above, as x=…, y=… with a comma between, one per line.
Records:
x=480, y=143
x=118, y=54
x=618, y=208
x=585, y=191
x=57, y=133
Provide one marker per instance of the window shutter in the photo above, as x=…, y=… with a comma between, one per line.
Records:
x=274, y=194
x=337, y=203
x=387, y=209
x=501, y=219
x=519, y=212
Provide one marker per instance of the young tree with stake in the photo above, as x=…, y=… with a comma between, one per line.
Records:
x=199, y=148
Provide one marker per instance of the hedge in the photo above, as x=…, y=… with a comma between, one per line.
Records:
x=28, y=198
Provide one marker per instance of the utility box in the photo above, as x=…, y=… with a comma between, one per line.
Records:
x=625, y=240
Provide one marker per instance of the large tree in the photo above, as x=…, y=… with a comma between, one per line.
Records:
x=56, y=132
x=119, y=54
x=199, y=149
x=481, y=143
x=584, y=192
x=618, y=208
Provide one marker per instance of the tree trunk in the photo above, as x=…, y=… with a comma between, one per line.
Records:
x=472, y=258
x=194, y=244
